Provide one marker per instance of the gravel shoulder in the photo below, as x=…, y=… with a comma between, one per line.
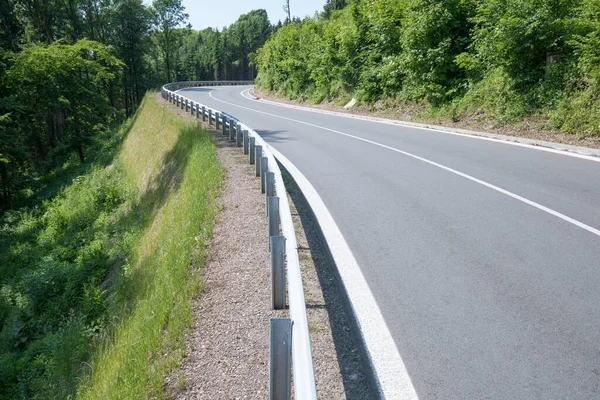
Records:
x=531, y=128
x=227, y=350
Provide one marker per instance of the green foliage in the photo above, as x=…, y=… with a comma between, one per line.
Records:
x=62, y=91
x=53, y=259
x=95, y=282
x=498, y=60
x=225, y=55
x=168, y=15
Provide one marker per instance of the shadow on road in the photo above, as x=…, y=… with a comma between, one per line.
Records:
x=357, y=374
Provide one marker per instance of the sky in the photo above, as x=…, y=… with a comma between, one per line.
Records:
x=221, y=13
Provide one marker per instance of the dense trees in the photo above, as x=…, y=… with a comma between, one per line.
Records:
x=226, y=54
x=498, y=58
x=169, y=14
x=69, y=69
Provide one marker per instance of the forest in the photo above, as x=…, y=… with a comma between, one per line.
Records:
x=99, y=249
x=492, y=60
x=70, y=69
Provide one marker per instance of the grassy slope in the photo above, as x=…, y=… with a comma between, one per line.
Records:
x=96, y=281
x=174, y=167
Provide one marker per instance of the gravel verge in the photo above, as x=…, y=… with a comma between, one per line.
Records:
x=227, y=350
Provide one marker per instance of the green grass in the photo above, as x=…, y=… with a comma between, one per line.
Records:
x=96, y=283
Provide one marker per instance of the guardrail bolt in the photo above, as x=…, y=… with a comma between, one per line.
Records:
x=238, y=135
x=252, y=149
x=277, y=245
x=280, y=359
x=245, y=142
x=273, y=216
x=258, y=157
x=264, y=167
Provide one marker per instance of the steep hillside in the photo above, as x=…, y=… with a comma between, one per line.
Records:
x=95, y=283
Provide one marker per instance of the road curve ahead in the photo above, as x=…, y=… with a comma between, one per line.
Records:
x=483, y=257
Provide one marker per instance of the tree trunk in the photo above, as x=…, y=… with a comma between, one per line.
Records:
x=5, y=199
x=80, y=152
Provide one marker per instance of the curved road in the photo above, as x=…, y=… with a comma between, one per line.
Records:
x=483, y=257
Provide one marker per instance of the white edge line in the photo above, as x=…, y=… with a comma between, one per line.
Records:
x=435, y=164
x=392, y=376
x=567, y=150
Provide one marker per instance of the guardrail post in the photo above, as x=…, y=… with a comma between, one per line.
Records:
x=245, y=142
x=203, y=113
x=231, y=130
x=273, y=215
x=238, y=134
x=252, y=149
x=182, y=103
x=258, y=157
x=277, y=244
x=264, y=166
x=210, y=117
x=269, y=186
x=280, y=359
x=187, y=105
x=225, y=125
x=217, y=125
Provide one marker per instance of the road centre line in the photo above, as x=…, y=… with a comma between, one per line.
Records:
x=433, y=163
x=513, y=141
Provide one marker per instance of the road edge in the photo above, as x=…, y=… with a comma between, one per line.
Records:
x=543, y=145
x=392, y=380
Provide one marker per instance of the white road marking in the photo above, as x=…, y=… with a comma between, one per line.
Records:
x=393, y=379
x=433, y=163
x=513, y=141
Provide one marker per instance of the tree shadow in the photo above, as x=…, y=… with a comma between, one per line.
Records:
x=275, y=136
x=358, y=377
x=154, y=197
x=197, y=89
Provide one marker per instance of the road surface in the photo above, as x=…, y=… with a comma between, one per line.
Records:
x=483, y=257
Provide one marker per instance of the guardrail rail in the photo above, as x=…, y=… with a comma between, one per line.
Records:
x=295, y=330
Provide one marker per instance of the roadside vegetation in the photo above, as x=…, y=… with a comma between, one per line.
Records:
x=106, y=199
x=70, y=70
x=495, y=61
x=96, y=281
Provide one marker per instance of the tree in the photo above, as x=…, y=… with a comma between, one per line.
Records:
x=168, y=15
x=62, y=90
x=333, y=5
x=286, y=9
x=131, y=22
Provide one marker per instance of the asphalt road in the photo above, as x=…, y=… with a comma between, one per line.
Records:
x=486, y=296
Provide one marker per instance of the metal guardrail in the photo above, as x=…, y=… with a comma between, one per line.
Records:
x=259, y=154
x=186, y=84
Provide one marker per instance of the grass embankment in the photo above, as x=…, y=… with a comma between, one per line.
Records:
x=96, y=283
